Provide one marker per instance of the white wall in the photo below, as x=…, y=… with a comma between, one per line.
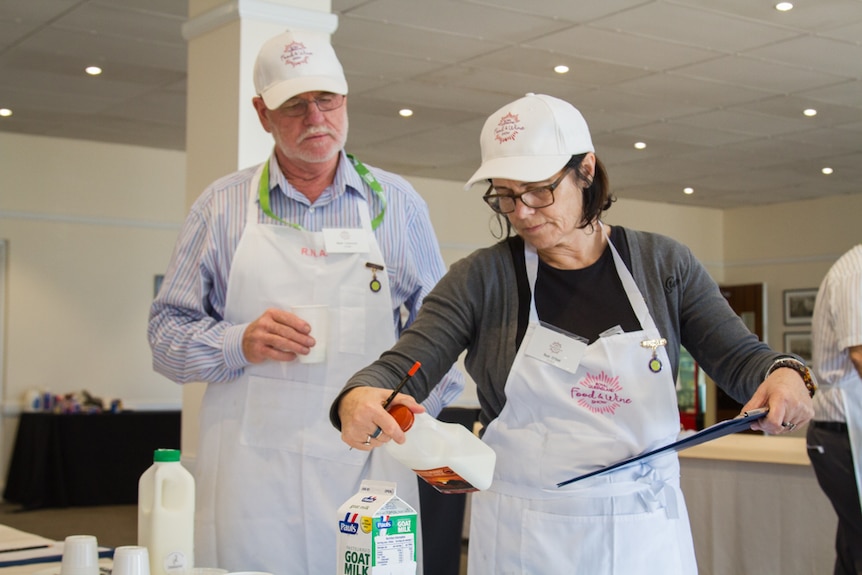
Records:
x=788, y=246
x=87, y=226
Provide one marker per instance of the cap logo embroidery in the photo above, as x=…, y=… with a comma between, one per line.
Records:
x=296, y=54
x=508, y=127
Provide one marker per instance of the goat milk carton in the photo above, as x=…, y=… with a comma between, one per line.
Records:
x=376, y=532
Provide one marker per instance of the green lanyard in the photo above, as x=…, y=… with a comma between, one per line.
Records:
x=364, y=173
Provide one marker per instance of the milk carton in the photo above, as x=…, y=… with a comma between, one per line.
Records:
x=376, y=532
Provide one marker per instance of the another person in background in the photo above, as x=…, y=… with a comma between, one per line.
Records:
x=311, y=225
x=835, y=435
x=573, y=330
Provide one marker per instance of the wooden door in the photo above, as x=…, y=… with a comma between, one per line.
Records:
x=748, y=303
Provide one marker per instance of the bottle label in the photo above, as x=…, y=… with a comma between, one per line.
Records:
x=444, y=480
x=175, y=562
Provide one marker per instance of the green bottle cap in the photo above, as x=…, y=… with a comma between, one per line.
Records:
x=161, y=455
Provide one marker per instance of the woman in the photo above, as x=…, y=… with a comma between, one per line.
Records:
x=572, y=330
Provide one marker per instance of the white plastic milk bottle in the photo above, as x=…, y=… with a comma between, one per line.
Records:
x=446, y=455
x=166, y=514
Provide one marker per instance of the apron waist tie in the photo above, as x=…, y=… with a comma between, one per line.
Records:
x=659, y=492
x=653, y=489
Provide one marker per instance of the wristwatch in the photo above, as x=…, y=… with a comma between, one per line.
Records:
x=799, y=368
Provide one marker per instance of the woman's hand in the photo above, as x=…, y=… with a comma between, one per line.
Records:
x=361, y=413
x=789, y=402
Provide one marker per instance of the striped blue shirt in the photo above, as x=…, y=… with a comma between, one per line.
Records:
x=188, y=335
x=836, y=326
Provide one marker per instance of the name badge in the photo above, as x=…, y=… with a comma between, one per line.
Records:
x=555, y=348
x=345, y=240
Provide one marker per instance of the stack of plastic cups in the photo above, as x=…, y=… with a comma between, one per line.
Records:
x=131, y=560
x=80, y=556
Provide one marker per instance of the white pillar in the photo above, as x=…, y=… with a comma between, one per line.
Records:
x=223, y=133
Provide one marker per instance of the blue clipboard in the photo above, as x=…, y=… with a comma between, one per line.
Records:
x=741, y=422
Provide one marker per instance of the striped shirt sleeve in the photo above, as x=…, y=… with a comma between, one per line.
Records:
x=189, y=337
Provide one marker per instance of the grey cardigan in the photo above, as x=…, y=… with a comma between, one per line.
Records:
x=475, y=307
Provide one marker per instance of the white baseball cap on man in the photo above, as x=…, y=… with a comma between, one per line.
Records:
x=294, y=62
x=531, y=139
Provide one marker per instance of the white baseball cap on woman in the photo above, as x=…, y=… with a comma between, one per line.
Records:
x=531, y=139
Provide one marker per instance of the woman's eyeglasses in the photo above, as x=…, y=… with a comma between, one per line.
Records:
x=538, y=197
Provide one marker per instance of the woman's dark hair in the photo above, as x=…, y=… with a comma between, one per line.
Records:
x=597, y=196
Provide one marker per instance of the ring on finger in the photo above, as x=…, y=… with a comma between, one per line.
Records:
x=788, y=425
x=367, y=440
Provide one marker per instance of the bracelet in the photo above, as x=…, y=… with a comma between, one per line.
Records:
x=799, y=368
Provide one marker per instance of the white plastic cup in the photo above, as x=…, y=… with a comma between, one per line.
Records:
x=80, y=556
x=131, y=560
x=208, y=571
x=317, y=317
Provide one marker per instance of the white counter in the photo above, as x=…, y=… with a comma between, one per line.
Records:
x=755, y=507
x=750, y=447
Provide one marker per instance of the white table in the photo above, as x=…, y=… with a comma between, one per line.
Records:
x=32, y=547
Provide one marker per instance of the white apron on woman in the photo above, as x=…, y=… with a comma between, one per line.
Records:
x=271, y=470
x=556, y=425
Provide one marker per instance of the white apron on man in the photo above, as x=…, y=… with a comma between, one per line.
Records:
x=851, y=397
x=271, y=470
x=557, y=424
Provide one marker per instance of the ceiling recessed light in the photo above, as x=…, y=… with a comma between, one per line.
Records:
x=784, y=6
x=406, y=112
x=561, y=69
x=688, y=191
x=827, y=170
x=93, y=70
x=5, y=112
x=640, y=145
x=810, y=112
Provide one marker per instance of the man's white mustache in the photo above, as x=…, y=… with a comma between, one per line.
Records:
x=314, y=132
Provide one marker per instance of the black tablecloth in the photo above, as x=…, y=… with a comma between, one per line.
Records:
x=64, y=460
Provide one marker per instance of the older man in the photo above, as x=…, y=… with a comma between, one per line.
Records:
x=835, y=435
x=311, y=225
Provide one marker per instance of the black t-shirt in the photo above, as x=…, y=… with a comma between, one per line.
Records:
x=585, y=302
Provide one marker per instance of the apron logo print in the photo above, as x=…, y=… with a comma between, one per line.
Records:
x=600, y=393
x=313, y=252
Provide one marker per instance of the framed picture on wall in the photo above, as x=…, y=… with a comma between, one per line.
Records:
x=799, y=306
x=798, y=343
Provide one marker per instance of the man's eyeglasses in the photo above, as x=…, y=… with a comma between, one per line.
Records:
x=539, y=197
x=299, y=107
